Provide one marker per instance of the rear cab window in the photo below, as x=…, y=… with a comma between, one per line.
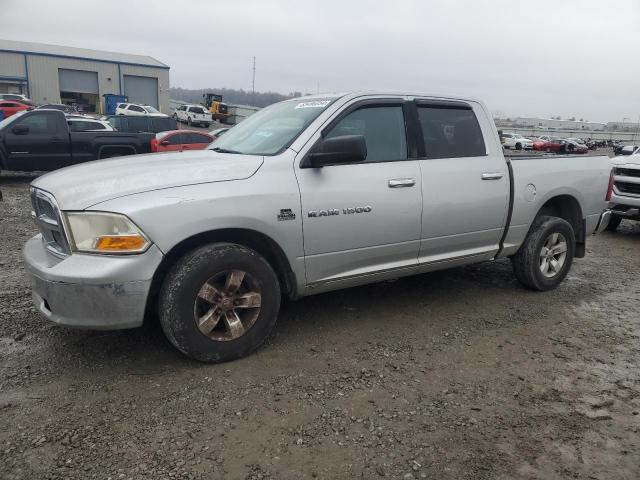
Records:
x=450, y=130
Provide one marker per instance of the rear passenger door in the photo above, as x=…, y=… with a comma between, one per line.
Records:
x=363, y=218
x=465, y=182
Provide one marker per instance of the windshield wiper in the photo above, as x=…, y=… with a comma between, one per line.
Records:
x=224, y=150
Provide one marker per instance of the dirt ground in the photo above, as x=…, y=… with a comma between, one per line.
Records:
x=460, y=374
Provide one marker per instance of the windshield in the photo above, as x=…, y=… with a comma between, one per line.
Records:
x=151, y=109
x=272, y=129
x=10, y=119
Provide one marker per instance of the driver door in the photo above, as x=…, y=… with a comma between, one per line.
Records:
x=364, y=218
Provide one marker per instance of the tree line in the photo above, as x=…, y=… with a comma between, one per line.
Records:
x=231, y=95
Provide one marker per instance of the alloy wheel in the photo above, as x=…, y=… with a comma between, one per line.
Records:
x=227, y=305
x=553, y=255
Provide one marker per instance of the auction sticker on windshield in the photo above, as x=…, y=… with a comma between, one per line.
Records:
x=316, y=104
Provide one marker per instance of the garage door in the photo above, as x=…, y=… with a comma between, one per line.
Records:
x=79, y=81
x=143, y=90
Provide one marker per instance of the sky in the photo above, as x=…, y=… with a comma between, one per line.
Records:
x=522, y=57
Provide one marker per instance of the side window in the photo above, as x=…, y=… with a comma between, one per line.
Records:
x=451, y=132
x=198, y=138
x=136, y=108
x=40, y=123
x=383, y=129
x=175, y=139
x=95, y=126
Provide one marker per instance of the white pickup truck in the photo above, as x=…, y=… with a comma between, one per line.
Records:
x=193, y=115
x=625, y=201
x=308, y=195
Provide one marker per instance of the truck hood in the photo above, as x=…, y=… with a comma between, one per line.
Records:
x=626, y=160
x=81, y=186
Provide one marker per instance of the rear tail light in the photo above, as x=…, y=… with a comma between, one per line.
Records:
x=154, y=145
x=610, y=187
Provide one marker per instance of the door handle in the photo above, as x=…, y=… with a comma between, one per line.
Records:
x=492, y=176
x=402, y=182
x=56, y=140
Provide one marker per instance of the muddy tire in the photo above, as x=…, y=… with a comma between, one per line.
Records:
x=219, y=302
x=614, y=223
x=545, y=257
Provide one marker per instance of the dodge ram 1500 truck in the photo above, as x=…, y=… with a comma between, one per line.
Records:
x=625, y=200
x=307, y=195
x=41, y=140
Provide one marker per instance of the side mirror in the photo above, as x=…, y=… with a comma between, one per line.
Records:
x=330, y=151
x=20, y=129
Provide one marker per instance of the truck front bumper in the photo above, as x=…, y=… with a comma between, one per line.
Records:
x=625, y=206
x=98, y=292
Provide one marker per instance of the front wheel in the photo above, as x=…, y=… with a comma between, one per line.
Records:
x=518, y=146
x=189, y=121
x=545, y=257
x=219, y=302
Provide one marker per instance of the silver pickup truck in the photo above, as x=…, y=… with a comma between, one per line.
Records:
x=306, y=196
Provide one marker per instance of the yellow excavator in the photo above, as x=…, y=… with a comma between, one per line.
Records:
x=219, y=111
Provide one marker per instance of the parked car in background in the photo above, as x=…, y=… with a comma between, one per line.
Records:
x=87, y=124
x=150, y=124
x=69, y=109
x=180, y=140
x=16, y=97
x=540, y=144
x=11, y=107
x=218, y=132
x=306, y=196
x=628, y=149
x=516, y=141
x=43, y=140
x=138, y=110
x=625, y=200
x=193, y=115
x=572, y=145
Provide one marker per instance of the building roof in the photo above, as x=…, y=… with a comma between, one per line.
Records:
x=79, y=53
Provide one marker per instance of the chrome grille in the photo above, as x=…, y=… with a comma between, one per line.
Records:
x=627, y=172
x=48, y=219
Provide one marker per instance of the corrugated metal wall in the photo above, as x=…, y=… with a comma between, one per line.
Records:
x=44, y=86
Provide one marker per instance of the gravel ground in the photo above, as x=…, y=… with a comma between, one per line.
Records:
x=459, y=374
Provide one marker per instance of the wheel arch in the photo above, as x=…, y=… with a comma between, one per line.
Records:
x=258, y=241
x=567, y=207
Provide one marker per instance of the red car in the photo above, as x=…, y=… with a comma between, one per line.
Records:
x=179, y=140
x=9, y=107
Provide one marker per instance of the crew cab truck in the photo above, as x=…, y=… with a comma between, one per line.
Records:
x=625, y=200
x=42, y=140
x=306, y=196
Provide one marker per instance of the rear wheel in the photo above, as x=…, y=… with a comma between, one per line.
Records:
x=189, y=121
x=219, y=302
x=614, y=223
x=545, y=257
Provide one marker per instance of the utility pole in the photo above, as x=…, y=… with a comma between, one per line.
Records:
x=253, y=82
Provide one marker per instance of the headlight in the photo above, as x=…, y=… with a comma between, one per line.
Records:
x=100, y=232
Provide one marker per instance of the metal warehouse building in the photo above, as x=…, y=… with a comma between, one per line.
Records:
x=57, y=74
